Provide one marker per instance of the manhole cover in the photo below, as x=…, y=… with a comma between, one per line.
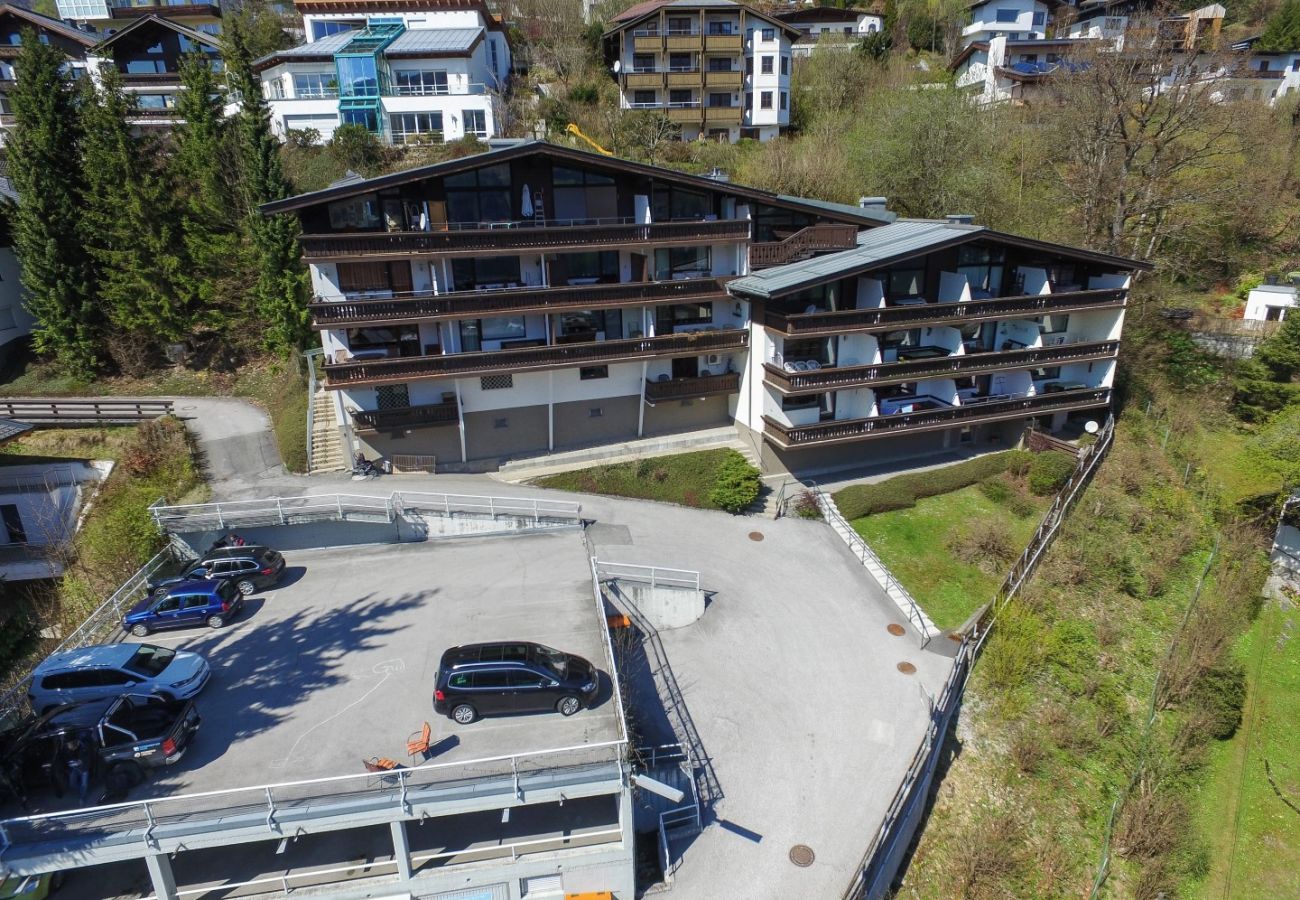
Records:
x=896, y=630
x=906, y=668
x=756, y=535
x=802, y=855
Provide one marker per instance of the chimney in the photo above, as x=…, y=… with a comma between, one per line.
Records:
x=960, y=219
x=717, y=174
x=875, y=204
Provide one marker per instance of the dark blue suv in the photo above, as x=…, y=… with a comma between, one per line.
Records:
x=211, y=603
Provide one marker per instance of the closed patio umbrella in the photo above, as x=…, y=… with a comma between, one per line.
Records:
x=526, y=207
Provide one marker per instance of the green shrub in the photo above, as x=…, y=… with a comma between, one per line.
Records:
x=902, y=492
x=805, y=506
x=1021, y=506
x=1049, y=472
x=996, y=490
x=1217, y=699
x=1018, y=462
x=737, y=485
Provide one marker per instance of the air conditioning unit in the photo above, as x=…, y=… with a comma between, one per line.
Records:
x=712, y=359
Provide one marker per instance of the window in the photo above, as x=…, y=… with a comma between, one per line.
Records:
x=366, y=118
x=357, y=76
x=492, y=47
x=586, y=268
x=769, y=34
x=421, y=82
x=982, y=266
x=503, y=328
x=680, y=98
x=785, y=100
x=497, y=383
x=682, y=262
x=785, y=63
x=150, y=660
x=470, y=273
x=643, y=62
x=274, y=89
x=392, y=396
x=409, y=127
x=1054, y=324
x=595, y=412
x=1007, y=16
x=357, y=277
x=765, y=100
x=195, y=601
x=669, y=317
x=480, y=195
x=681, y=25
x=325, y=29
x=1040, y=19
x=13, y=523
x=590, y=373
x=522, y=678
x=476, y=122
x=355, y=213
x=1113, y=23
x=1263, y=65
x=643, y=98
x=717, y=101
x=905, y=282
x=720, y=64
x=907, y=338
x=1046, y=373
x=765, y=64
x=676, y=203
x=681, y=62
x=721, y=28
x=146, y=66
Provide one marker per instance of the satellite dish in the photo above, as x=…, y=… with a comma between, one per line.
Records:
x=618, y=65
x=1091, y=426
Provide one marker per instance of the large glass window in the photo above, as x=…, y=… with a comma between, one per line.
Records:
x=472, y=273
x=366, y=118
x=314, y=84
x=587, y=268
x=146, y=66
x=982, y=267
x=582, y=195
x=668, y=317
x=325, y=29
x=355, y=213
x=422, y=82
x=591, y=325
x=411, y=127
x=476, y=122
x=905, y=282
x=1006, y=16
x=503, y=328
x=682, y=262
x=357, y=76
x=672, y=202
x=370, y=277
x=480, y=195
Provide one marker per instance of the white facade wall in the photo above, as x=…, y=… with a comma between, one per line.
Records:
x=1029, y=22
x=756, y=49
x=15, y=321
x=1270, y=302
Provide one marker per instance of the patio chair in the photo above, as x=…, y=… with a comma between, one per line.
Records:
x=418, y=743
x=385, y=768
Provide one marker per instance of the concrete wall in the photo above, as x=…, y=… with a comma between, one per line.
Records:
x=669, y=416
x=523, y=430
x=442, y=441
x=595, y=421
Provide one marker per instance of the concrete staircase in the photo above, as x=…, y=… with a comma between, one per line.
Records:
x=764, y=506
x=326, y=445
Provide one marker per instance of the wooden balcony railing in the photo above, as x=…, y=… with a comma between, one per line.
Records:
x=805, y=241
x=171, y=12
x=511, y=237
x=411, y=368
x=840, y=377
x=891, y=317
x=424, y=305
x=131, y=79
x=686, y=388
x=407, y=417
x=823, y=433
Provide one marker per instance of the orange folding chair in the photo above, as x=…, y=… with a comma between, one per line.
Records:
x=417, y=745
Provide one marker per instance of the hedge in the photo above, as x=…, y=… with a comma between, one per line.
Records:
x=737, y=485
x=1050, y=471
x=902, y=492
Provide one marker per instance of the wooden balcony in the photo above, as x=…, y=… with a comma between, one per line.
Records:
x=722, y=115
x=514, y=237
x=653, y=80
x=691, y=79
x=684, y=114
x=647, y=43
x=893, y=317
x=689, y=388
x=422, y=306
x=844, y=377
x=369, y=373
x=680, y=42
x=723, y=43
x=729, y=80
x=992, y=410
x=407, y=417
x=803, y=243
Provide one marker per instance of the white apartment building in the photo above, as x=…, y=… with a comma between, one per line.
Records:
x=718, y=69
x=406, y=70
x=829, y=27
x=107, y=16
x=1016, y=20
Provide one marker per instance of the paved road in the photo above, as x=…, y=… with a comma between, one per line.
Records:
x=235, y=439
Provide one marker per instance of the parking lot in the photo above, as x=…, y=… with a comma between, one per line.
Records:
x=336, y=664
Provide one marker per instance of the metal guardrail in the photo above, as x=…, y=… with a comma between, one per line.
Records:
x=45, y=411
x=655, y=576
x=311, y=357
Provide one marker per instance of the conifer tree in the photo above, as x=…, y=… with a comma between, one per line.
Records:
x=1283, y=29
x=45, y=168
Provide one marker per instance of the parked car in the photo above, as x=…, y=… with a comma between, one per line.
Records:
x=107, y=671
x=249, y=568
x=185, y=605
x=133, y=732
x=511, y=677
x=30, y=887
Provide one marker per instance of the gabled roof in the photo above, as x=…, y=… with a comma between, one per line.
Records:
x=54, y=25
x=640, y=11
x=967, y=52
x=904, y=239
x=842, y=212
x=198, y=37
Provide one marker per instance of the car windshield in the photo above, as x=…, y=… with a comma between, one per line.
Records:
x=150, y=660
x=553, y=659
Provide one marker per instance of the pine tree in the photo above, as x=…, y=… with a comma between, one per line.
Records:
x=129, y=226
x=281, y=289
x=44, y=166
x=1283, y=30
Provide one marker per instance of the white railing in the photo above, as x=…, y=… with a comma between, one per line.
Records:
x=43, y=481
x=655, y=576
x=311, y=356
x=609, y=648
x=471, y=504
x=274, y=511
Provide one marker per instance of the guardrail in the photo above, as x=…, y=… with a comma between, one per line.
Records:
x=469, y=504
x=311, y=356
x=655, y=576
x=45, y=411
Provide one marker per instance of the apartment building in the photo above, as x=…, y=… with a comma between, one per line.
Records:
x=1016, y=20
x=1109, y=20
x=537, y=298
x=406, y=70
x=1002, y=70
x=831, y=28
x=14, y=21
x=107, y=16
x=148, y=54
x=717, y=69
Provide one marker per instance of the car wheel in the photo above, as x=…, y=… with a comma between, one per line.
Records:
x=568, y=706
x=140, y=630
x=216, y=621
x=246, y=587
x=464, y=714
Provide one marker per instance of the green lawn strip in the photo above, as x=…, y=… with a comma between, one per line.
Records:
x=685, y=478
x=1254, y=837
x=916, y=545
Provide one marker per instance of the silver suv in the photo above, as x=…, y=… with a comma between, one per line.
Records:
x=111, y=670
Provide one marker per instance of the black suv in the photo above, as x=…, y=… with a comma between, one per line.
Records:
x=511, y=677
x=250, y=568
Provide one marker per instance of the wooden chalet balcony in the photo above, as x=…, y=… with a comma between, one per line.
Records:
x=803, y=243
x=892, y=317
x=973, y=413
x=687, y=388
x=685, y=78
x=647, y=43
x=513, y=237
x=407, y=417
x=171, y=12
x=633, y=80
x=424, y=305
x=724, y=79
x=411, y=368
x=723, y=115
x=840, y=377
x=723, y=43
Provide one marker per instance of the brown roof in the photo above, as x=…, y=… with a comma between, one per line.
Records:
x=88, y=39
x=638, y=10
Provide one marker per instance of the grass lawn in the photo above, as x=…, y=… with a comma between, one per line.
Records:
x=1254, y=836
x=684, y=478
x=917, y=546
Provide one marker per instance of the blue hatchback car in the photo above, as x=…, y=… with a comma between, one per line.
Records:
x=190, y=603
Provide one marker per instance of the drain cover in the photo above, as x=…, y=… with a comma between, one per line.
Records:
x=906, y=668
x=756, y=535
x=802, y=855
x=896, y=630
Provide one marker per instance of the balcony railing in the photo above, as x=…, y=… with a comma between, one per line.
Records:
x=425, y=305
x=686, y=388
x=393, y=371
x=171, y=12
x=823, y=433
x=889, y=317
x=510, y=237
x=151, y=78
x=804, y=242
x=407, y=417
x=840, y=377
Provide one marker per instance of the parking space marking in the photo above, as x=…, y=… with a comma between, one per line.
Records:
x=386, y=669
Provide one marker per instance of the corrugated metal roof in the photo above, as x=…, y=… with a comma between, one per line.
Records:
x=10, y=429
x=876, y=246
x=326, y=46
x=880, y=215
x=435, y=40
